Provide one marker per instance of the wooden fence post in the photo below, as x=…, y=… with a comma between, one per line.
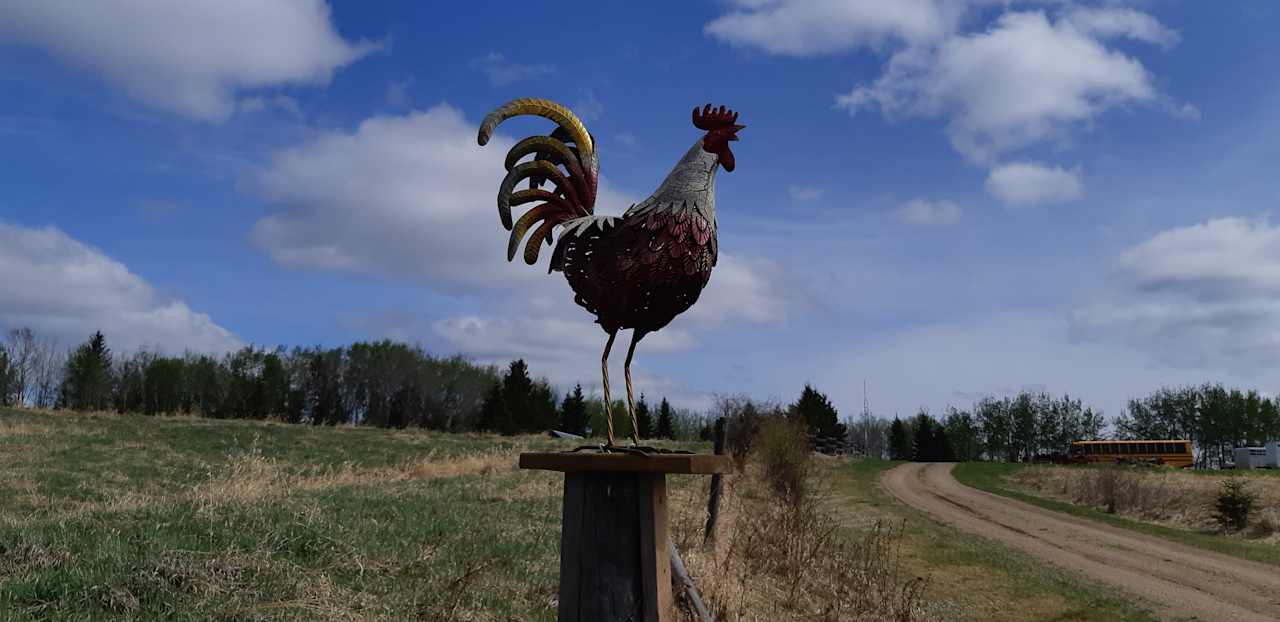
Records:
x=717, y=484
x=614, y=561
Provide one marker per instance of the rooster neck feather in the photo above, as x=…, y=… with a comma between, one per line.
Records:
x=691, y=185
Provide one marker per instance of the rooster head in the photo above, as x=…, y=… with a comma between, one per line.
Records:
x=722, y=128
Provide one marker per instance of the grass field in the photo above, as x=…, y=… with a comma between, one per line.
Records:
x=1000, y=478
x=130, y=517
x=193, y=519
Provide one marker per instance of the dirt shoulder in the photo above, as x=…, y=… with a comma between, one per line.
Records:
x=1179, y=581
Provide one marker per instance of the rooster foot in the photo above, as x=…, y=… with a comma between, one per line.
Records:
x=634, y=450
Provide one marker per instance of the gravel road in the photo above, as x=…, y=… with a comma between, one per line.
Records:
x=1176, y=580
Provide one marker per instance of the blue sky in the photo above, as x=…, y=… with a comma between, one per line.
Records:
x=945, y=198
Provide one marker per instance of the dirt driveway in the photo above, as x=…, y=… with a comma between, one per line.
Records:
x=1179, y=581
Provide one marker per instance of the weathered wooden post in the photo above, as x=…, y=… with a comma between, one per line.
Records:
x=614, y=564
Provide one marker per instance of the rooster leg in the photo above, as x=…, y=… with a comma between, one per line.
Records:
x=636, y=336
x=604, y=371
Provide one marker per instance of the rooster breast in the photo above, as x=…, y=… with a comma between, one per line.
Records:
x=641, y=270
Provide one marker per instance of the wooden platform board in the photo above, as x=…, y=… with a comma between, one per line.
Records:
x=704, y=464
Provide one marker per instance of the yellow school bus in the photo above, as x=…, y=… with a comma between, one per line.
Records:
x=1174, y=453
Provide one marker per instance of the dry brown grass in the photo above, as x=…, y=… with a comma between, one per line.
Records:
x=782, y=551
x=24, y=428
x=1163, y=496
x=253, y=476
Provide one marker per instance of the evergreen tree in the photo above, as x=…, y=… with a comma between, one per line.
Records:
x=899, y=440
x=924, y=440
x=666, y=423
x=87, y=381
x=491, y=412
x=816, y=412
x=6, y=379
x=573, y=412
x=517, y=398
x=542, y=415
x=644, y=422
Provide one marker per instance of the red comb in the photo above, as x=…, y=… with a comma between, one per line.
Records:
x=710, y=118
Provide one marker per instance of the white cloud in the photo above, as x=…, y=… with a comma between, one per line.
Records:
x=1026, y=79
x=60, y=287
x=812, y=27
x=1032, y=183
x=502, y=71
x=283, y=102
x=411, y=196
x=1122, y=22
x=1205, y=295
x=191, y=58
x=805, y=193
x=922, y=212
x=741, y=289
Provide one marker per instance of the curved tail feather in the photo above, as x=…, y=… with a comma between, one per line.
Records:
x=566, y=159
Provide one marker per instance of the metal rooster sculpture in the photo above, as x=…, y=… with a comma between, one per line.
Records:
x=637, y=271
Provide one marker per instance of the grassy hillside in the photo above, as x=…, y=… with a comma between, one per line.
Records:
x=130, y=517
x=196, y=519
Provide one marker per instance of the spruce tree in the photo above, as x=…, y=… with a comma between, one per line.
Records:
x=816, y=412
x=666, y=421
x=492, y=411
x=518, y=411
x=87, y=382
x=644, y=423
x=924, y=443
x=899, y=440
x=573, y=412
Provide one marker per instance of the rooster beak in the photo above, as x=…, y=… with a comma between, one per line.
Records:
x=736, y=129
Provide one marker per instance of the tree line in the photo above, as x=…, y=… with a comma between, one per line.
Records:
x=396, y=385
x=1217, y=419
x=383, y=384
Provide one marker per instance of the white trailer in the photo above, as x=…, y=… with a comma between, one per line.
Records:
x=1265, y=457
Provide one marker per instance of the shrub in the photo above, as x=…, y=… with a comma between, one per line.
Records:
x=782, y=447
x=1233, y=505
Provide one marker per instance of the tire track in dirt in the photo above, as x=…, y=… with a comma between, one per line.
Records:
x=1180, y=581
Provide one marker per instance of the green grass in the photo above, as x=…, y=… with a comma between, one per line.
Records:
x=993, y=477
x=127, y=517
x=174, y=518
x=972, y=578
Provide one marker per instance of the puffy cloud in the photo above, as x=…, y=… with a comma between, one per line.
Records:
x=1122, y=22
x=1025, y=79
x=60, y=287
x=190, y=58
x=741, y=289
x=410, y=196
x=502, y=71
x=922, y=212
x=1032, y=183
x=812, y=27
x=1205, y=295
